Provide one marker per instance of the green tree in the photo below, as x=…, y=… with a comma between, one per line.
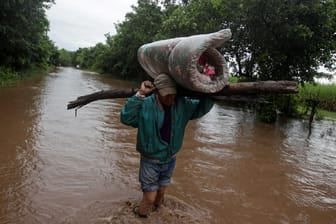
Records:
x=23, y=33
x=92, y=58
x=299, y=35
x=64, y=58
x=54, y=55
x=271, y=39
x=140, y=26
x=81, y=58
x=283, y=39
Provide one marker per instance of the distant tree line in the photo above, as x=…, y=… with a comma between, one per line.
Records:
x=24, y=42
x=278, y=39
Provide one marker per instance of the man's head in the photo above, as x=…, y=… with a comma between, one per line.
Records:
x=166, y=88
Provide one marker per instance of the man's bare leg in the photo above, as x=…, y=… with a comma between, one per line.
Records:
x=147, y=202
x=160, y=196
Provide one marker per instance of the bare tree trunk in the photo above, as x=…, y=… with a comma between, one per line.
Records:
x=233, y=89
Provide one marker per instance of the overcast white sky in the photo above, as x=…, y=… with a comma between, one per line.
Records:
x=83, y=23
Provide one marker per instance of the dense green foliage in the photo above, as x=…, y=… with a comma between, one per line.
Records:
x=271, y=39
x=64, y=58
x=316, y=101
x=7, y=76
x=23, y=37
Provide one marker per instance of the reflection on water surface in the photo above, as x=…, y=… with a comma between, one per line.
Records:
x=58, y=168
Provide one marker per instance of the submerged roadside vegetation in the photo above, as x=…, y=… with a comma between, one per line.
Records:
x=10, y=77
x=313, y=101
x=317, y=98
x=25, y=47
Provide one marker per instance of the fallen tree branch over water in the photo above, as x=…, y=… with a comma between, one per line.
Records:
x=233, y=89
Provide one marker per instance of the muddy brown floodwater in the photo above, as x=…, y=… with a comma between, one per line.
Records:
x=58, y=168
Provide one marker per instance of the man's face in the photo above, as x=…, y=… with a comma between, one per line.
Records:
x=167, y=100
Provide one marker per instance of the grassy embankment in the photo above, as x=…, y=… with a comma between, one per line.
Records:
x=10, y=77
x=322, y=94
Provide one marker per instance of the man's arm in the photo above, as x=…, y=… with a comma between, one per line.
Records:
x=203, y=106
x=129, y=114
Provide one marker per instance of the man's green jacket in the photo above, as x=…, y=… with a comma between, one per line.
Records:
x=147, y=114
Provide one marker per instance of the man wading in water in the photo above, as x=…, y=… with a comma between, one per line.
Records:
x=161, y=119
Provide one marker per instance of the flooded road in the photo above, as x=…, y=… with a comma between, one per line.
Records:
x=58, y=168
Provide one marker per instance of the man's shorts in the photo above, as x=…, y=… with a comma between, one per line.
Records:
x=152, y=175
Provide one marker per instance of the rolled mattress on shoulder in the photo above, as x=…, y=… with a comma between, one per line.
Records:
x=181, y=59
